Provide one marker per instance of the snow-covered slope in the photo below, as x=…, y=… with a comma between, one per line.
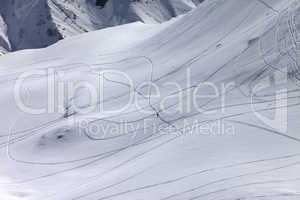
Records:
x=82, y=15
x=221, y=120
x=39, y=23
x=4, y=42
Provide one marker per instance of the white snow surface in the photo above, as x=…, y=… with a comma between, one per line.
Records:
x=247, y=43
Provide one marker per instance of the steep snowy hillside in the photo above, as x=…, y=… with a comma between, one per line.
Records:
x=4, y=42
x=85, y=15
x=29, y=24
x=39, y=23
x=202, y=107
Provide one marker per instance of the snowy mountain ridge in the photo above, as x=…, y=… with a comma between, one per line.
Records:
x=39, y=23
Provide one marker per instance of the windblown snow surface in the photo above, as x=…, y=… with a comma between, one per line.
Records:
x=238, y=60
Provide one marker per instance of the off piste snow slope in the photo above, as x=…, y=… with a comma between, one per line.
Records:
x=31, y=24
x=214, y=115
